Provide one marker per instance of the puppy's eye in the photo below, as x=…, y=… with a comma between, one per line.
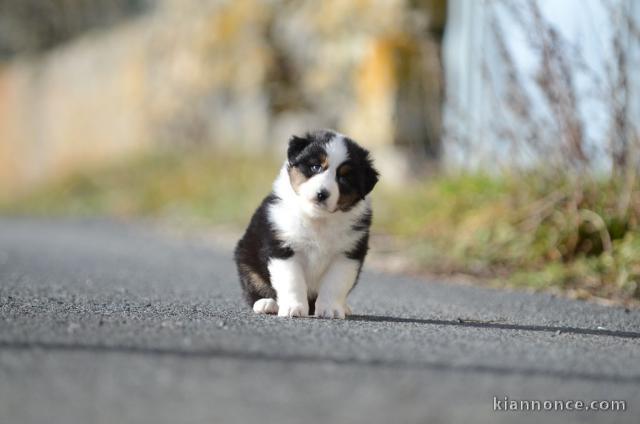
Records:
x=315, y=168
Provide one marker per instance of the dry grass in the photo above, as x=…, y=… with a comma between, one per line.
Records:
x=525, y=230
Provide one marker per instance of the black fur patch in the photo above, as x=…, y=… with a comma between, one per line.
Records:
x=315, y=140
x=359, y=251
x=252, y=254
x=364, y=222
x=307, y=156
x=356, y=177
x=366, y=175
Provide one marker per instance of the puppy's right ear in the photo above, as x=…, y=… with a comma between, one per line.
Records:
x=296, y=145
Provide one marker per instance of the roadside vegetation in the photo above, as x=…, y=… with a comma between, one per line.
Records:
x=190, y=187
x=578, y=236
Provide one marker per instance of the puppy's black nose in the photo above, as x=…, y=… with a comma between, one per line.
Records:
x=322, y=195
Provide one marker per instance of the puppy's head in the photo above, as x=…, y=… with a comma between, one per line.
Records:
x=329, y=172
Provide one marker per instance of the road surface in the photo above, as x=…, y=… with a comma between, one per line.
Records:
x=105, y=322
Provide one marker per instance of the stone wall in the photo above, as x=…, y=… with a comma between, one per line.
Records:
x=240, y=75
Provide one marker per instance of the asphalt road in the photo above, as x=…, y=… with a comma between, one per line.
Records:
x=104, y=322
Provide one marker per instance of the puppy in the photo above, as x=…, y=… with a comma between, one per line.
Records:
x=305, y=245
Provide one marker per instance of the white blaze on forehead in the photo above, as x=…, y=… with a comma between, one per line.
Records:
x=336, y=151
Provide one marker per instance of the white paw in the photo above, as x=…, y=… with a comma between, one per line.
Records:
x=335, y=310
x=293, y=309
x=265, y=306
x=347, y=309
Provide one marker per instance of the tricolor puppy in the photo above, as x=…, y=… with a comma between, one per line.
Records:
x=304, y=248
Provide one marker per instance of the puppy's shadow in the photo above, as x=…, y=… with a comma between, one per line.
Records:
x=497, y=325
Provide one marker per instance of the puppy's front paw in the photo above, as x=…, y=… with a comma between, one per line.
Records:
x=293, y=309
x=265, y=306
x=334, y=310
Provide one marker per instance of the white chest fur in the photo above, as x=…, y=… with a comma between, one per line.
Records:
x=318, y=241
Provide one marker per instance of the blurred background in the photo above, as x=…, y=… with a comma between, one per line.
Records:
x=507, y=132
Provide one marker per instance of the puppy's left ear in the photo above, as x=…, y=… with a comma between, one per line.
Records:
x=369, y=178
x=296, y=145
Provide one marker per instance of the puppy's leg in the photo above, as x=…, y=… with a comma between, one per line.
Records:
x=287, y=278
x=332, y=295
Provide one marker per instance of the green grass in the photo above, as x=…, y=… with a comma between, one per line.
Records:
x=202, y=187
x=534, y=231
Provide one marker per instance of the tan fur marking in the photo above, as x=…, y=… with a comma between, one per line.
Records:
x=347, y=201
x=296, y=177
x=344, y=170
x=255, y=279
x=324, y=162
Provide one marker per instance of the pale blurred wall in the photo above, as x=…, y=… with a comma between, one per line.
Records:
x=78, y=106
x=241, y=75
x=497, y=115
